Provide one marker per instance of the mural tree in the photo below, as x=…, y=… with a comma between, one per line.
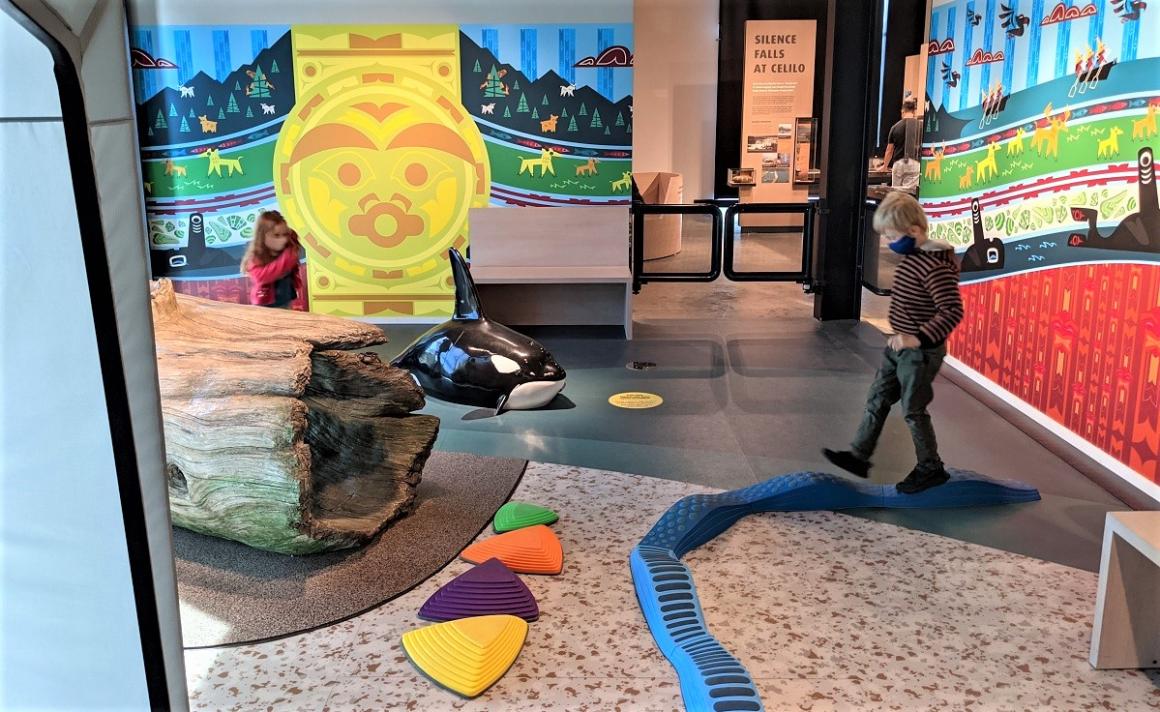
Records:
x=523, y=107
x=260, y=87
x=494, y=89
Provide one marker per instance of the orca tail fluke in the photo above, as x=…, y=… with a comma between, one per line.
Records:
x=466, y=298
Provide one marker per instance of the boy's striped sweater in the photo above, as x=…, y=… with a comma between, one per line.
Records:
x=925, y=300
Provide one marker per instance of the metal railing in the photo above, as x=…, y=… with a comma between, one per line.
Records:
x=807, y=210
x=725, y=218
x=870, y=271
x=640, y=277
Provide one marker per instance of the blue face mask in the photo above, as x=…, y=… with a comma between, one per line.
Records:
x=904, y=245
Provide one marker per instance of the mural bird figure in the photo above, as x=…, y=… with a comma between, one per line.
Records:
x=1129, y=10
x=1013, y=22
x=950, y=76
x=974, y=18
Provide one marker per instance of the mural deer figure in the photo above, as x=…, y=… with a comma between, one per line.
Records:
x=588, y=169
x=624, y=183
x=549, y=126
x=487, y=108
x=171, y=169
x=987, y=168
x=1015, y=148
x=965, y=180
x=1110, y=146
x=267, y=109
x=186, y=92
x=207, y=126
x=568, y=90
x=934, y=166
x=216, y=163
x=1146, y=127
x=1041, y=128
x=528, y=165
x=1046, y=139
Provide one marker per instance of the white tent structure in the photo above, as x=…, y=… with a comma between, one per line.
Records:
x=88, y=602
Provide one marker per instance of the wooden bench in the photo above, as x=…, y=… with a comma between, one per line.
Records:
x=553, y=266
x=1126, y=632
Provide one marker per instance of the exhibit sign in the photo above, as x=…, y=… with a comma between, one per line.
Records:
x=375, y=141
x=779, y=88
x=1040, y=137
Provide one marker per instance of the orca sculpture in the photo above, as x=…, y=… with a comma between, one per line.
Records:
x=984, y=253
x=1140, y=231
x=475, y=361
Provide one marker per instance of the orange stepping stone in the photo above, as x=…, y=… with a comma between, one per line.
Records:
x=531, y=550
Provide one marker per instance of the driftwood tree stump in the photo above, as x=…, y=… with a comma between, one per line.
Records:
x=277, y=433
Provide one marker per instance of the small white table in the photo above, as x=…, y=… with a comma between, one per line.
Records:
x=1126, y=633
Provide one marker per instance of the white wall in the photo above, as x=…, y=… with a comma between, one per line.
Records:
x=675, y=105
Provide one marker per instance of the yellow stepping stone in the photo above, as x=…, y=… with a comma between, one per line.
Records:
x=468, y=655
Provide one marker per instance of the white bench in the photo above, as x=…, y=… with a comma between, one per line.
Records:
x=553, y=266
x=1126, y=632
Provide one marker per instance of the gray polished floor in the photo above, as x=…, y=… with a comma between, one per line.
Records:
x=753, y=387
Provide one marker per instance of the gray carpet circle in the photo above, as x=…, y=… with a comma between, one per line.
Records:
x=231, y=593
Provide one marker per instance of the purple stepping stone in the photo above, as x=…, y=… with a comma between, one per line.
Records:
x=488, y=589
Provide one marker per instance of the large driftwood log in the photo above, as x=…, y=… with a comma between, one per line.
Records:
x=278, y=434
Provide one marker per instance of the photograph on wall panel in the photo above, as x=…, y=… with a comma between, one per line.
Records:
x=374, y=142
x=1040, y=132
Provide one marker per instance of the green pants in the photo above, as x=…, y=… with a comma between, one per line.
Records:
x=903, y=376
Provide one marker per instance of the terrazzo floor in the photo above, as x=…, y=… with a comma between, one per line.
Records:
x=827, y=611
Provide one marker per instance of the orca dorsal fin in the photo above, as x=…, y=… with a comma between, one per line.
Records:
x=466, y=299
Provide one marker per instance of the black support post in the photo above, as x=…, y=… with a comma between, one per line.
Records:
x=846, y=126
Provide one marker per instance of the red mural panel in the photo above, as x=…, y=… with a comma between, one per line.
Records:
x=1079, y=343
x=235, y=290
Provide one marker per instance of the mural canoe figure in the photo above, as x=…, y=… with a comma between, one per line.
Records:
x=1139, y=231
x=475, y=361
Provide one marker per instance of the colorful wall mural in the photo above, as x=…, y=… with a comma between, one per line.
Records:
x=1041, y=128
x=374, y=142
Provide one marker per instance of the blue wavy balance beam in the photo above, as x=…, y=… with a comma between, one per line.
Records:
x=711, y=678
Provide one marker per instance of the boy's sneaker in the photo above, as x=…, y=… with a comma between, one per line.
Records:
x=921, y=479
x=848, y=461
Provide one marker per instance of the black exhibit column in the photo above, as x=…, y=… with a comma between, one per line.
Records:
x=846, y=126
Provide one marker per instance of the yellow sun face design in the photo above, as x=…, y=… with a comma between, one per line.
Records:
x=378, y=167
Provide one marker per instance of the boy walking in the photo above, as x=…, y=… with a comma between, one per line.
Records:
x=925, y=307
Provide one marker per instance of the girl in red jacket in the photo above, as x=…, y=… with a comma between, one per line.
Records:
x=272, y=262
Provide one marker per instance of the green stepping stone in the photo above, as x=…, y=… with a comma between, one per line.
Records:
x=517, y=515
